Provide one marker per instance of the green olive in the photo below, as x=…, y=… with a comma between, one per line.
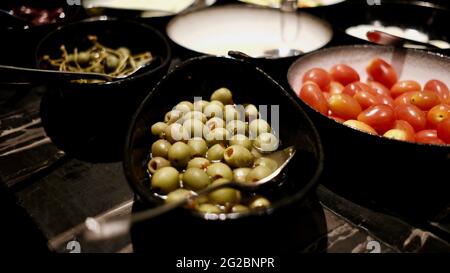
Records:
x=199, y=105
x=157, y=163
x=219, y=103
x=251, y=112
x=223, y=95
x=161, y=148
x=258, y=173
x=195, y=178
x=238, y=208
x=198, y=146
x=214, y=123
x=259, y=203
x=216, y=136
x=240, y=174
x=258, y=126
x=224, y=196
x=158, y=128
x=172, y=116
x=83, y=58
x=241, y=140
x=198, y=162
x=237, y=156
x=165, y=180
x=231, y=113
x=215, y=153
x=237, y=127
x=195, y=115
x=208, y=208
x=266, y=162
x=112, y=62
x=178, y=195
x=179, y=154
x=266, y=142
x=213, y=110
x=184, y=106
x=176, y=132
x=256, y=153
x=193, y=127
x=219, y=170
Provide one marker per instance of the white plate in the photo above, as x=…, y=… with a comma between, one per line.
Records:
x=251, y=30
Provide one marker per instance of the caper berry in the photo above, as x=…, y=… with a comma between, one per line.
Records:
x=231, y=113
x=176, y=132
x=237, y=156
x=241, y=140
x=193, y=127
x=240, y=174
x=215, y=153
x=266, y=142
x=266, y=162
x=237, y=127
x=198, y=146
x=258, y=173
x=179, y=154
x=195, y=178
x=184, y=106
x=225, y=195
x=178, y=195
x=208, y=208
x=165, y=180
x=158, y=128
x=161, y=148
x=258, y=126
x=157, y=163
x=198, y=162
x=213, y=110
x=259, y=203
x=223, y=95
x=172, y=116
x=219, y=170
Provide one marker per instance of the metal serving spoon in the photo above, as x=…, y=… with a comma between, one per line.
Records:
x=23, y=74
x=384, y=38
x=110, y=228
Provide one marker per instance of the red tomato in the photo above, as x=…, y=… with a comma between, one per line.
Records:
x=428, y=136
x=382, y=72
x=425, y=100
x=311, y=94
x=413, y=115
x=365, y=99
x=344, y=74
x=344, y=106
x=326, y=95
x=379, y=117
x=335, y=88
x=386, y=101
x=353, y=88
x=338, y=119
x=358, y=125
x=439, y=88
x=379, y=88
x=405, y=98
x=438, y=114
x=319, y=76
x=443, y=130
x=399, y=135
x=405, y=126
x=403, y=87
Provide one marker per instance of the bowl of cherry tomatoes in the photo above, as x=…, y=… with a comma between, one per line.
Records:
x=384, y=115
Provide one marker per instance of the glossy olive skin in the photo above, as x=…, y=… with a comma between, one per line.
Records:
x=266, y=142
x=176, y=132
x=258, y=173
x=266, y=162
x=160, y=148
x=198, y=162
x=157, y=163
x=231, y=113
x=198, y=147
x=196, y=179
x=259, y=203
x=172, y=116
x=179, y=154
x=258, y=126
x=237, y=127
x=177, y=195
x=238, y=208
x=213, y=110
x=242, y=140
x=219, y=170
x=251, y=112
x=215, y=153
x=218, y=135
x=208, y=208
x=223, y=95
x=158, y=129
x=224, y=196
x=165, y=180
x=185, y=106
x=240, y=174
x=194, y=127
x=238, y=156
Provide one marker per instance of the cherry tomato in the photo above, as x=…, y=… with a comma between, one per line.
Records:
x=379, y=88
x=358, y=125
x=353, y=88
x=311, y=94
x=379, y=117
x=365, y=99
x=386, y=100
x=344, y=106
x=412, y=114
x=405, y=126
x=405, y=98
x=382, y=72
x=439, y=88
x=403, y=87
x=443, y=130
x=338, y=119
x=326, y=95
x=344, y=74
x=335, y=88
x=425, y=100
x=438, y=114
x=399, y=135
x=319, y=76
x=428, y=136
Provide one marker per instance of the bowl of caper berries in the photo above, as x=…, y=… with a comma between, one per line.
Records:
x=213, y=120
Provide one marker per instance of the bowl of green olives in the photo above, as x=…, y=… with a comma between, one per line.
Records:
x=212, y=120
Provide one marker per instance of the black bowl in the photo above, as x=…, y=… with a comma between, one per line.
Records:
x=200, y=77
x=403, y=177
x=426, y=17
x=105, y=108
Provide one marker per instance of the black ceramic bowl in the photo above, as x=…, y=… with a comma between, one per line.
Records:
x=422, y=16
x=104, y=108
x=408, y=178
x=200, y=77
